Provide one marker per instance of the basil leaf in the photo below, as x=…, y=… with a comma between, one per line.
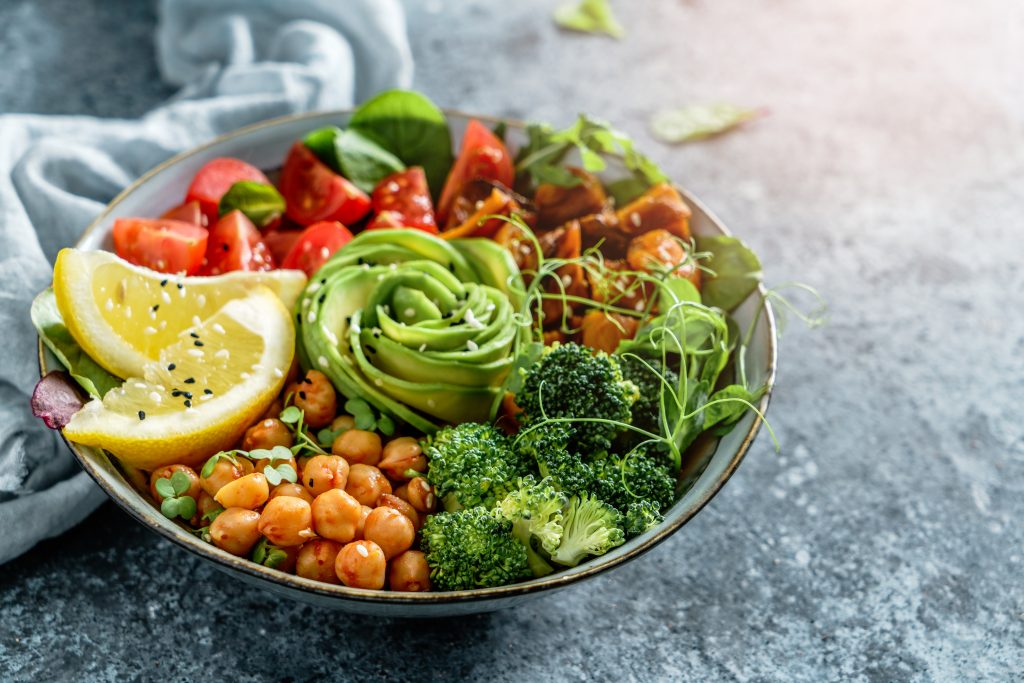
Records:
x=261, y=203
x=354, y=156
x=697, y=121
x=589, y=16
x=412, y=128
x=737, y=271
x=323, y=143
x=88, y=373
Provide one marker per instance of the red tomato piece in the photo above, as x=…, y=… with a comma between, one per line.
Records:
x=190, y=212
x=315, y=245
x=216, y=178
x=235, y=244
x=482, y=155
x=280, y=242
x=164, y=245
x=406, y=195
x=314, y=193
x=386, y=219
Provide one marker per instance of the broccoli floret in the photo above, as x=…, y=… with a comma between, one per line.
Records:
x=641, y=517
x=635, y=477
x=548, y=446
x=646, y=411
x=589, y=527
x=570, y=381
x=473, y=464
x=472, y=548
x=535, y=510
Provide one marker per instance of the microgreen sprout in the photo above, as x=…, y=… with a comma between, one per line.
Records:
x=175, y=503
x=276, y=471
x=367, y=418
x=305, y=443
x=268, y=554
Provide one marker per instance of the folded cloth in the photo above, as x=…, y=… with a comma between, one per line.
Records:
x=237, y=62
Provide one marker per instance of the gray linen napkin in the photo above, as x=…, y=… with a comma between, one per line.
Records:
x=238, y=61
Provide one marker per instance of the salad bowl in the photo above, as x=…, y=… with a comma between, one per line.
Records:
x=710, y=462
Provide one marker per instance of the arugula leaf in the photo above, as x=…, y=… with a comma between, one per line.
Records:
x=698, y=121
x=736, y=271
x=353, y=155
x=589, y=16
x=260, y=202
x=412, y=128
x=88, y=373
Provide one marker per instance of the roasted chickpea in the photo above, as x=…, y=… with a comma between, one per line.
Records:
x=275, y=408
x=421, y=495
x=224, y=472
x=267, y=433
x=389, y=500
x=315, y=395
x=247, y=492
x=343, y=423
x=287, y=521
x=336, y=515
x=316, y=560
x=390, y=529
x=236, y=530
x=364, y=512
x=409, y=572
x=325, y=472
x=204, y=505
x=167, y=472
x=366, y=483
x=400, y=456
x=358, y=446
x=361, y=564
x=289, y=489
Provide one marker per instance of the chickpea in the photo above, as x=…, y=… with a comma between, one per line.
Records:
x=358, y=446
x=287, y=521
x=293, y=371
x=421, y=495
x=267, y=433
x=409, y=572
x=275, y=408
x=224, y=472
x=325, y=472
x=336, y=515
x=316, y=560
x=343, y=423
x=366, y=483
x=391, y=530
x=236, y=530
x=289, y=489
x=167, y=472
x=315, y=395
x=388, y=500
x=364, y=512
x=204, y=505
x=361, y=564
x=400, y=456
x=247, y=492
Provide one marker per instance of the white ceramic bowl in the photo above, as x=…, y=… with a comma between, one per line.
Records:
x=264, y=145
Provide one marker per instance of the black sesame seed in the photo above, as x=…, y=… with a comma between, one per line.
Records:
x=298, y=317
x=171, y=366
x=323, y=281
x=176, y=393
x=193, y=335
x=320, y=299
x=190, y=380
x=163, y=283
x=447, y=315
x=224, y=247
x=376, y=334
x=197, y=342
x=311, y=483
x=369, y=348
x=142, y=414
x=188, y=403
x=187, y=394
x=207, y=391
x=302, y=395
x=307, y=380
x=181, y=286
x=155, y=308
x=451, y=267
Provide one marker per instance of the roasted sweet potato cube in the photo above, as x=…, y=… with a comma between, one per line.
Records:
x=659, y=250
x=557, y=205
x=660, y=208
x=603, y=228
x=603, y=331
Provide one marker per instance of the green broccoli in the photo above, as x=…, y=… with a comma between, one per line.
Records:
x=472, y=548
x=535, y=510
x=570, y=381
x=635, y=477
x=589, y=527
x=548, y=446
x=641, y=517
x=654, y=380
x=473, y=464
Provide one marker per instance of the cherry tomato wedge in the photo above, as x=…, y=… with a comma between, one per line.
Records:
x=386, y=219
x=482, y=155
x=216, y=178
x=235, y=244
x=314, y=193
x=315, y=245
x=406, y=194
x=280, y=242
x=190, y=212
x=164, y=245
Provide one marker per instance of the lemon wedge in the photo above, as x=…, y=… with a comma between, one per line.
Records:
x=201, y=393
x=123, y=315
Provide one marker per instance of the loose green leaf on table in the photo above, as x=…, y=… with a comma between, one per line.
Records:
x=589, y=16
x=735, y=271
x=698, y=121
x=261, y=203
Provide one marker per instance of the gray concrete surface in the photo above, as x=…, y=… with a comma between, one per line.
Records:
x=884, y=543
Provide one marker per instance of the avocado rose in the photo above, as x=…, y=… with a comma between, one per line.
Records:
x=422, y=328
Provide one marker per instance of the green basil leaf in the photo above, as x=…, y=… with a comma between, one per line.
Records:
x=323, y=143
x=260, y=202
x=697, y=121
x=736, y=268
x=364, y=162
x=272, y=475
x=290, y=415
x=412, y=128
x=89, y=374
x=186, y=507
x=180, y=482
x=589, y=16
x=169, y=508
x=164, y=487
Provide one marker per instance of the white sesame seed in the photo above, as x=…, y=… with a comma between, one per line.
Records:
x=361, y=549
x=149, y=330
x=410, y=312
x=140, y=385
x=154, y=397
x=393, y=187
x=331, y=337
x=163, y=325
x=423, y=347
x=206, y=397
x=366, y=266
x=472, y=345
x=322, y=361
x=109, y=305
x=201, y=300
x=245, y=375
x=196, y=321
x=218, y=328
x=278, y=373
x=471, y=320
x=165, y=296
x=161, y=264
x=312, y=316
x=634, y=218
x=430, y=500
x=223, y=353
x=181, y=291
x=256, y=367
x=195, y=353
x=313, y=287
x=128, y=311
x=379, y=382
x=393, y=266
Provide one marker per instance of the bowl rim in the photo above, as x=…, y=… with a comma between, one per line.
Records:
x=337, y=591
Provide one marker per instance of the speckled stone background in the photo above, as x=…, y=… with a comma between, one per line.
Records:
x=883, y=543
